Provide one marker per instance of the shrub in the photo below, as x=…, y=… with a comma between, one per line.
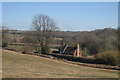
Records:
x=27, y=49
x=84, y=52
x=93, y=48
x=37, y=49
x=46, y=49
x=110, y=57
x=4, y=44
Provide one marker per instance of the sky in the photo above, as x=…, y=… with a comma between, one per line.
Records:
x=69, y=16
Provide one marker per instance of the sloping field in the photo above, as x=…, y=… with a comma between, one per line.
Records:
x=17, y=65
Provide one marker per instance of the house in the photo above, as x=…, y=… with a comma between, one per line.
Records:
x=70, y=50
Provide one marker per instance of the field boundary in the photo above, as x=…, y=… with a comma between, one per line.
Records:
x=72, y=62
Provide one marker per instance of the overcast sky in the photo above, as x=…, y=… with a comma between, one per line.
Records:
x=72, y=16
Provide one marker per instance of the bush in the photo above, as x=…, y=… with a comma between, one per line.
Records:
x=84, y=52
x=27, y=49
x=93, y=48
x=4, y=44
x=46, y=49
x=37, y=49
x=110, y=57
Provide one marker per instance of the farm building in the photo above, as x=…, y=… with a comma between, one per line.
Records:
x=70, y=50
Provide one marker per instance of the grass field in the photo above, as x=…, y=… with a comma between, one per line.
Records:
x=15, y=46
x=20, y=47
x=17, y=65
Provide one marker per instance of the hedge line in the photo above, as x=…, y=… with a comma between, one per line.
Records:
x=13, y=49
x=79, y=59
x=75, y=60
x=70, y=58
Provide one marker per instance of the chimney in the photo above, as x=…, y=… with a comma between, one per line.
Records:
x=78, y=50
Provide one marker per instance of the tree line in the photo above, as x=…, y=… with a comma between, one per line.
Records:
x=94, y=42
x=44, y=30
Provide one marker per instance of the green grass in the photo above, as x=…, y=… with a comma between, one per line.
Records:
x=18, y=47
x=17, y=65
x=15, y=46
x=17, y=36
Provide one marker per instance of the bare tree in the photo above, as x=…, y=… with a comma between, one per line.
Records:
x=69, y=41
x=5, y=36
x=118, y=38
x=31, y=44
x=43, y=28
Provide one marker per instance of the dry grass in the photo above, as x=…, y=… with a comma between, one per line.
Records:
x=27, y=66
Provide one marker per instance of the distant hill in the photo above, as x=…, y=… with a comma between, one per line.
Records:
x=99, y=33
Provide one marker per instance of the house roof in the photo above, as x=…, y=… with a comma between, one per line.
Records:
x=70, y=50
x=67, y=50
x=61, y=49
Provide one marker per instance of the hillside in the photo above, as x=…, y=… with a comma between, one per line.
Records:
x=63, y=34
x=17, y=65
